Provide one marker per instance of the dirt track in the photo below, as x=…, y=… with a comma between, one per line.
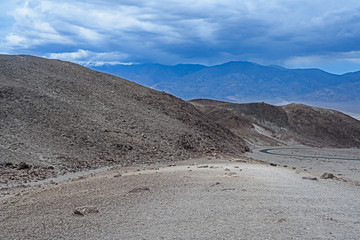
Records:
x=213, y=199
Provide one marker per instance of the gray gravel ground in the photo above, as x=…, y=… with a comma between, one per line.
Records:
x=212, y=199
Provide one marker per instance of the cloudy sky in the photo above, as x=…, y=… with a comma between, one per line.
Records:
x=291, y=33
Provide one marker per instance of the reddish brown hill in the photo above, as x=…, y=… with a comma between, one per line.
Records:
x=261, y=123
x=323, y=127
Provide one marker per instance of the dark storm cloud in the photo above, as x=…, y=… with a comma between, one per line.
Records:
x=290, y=33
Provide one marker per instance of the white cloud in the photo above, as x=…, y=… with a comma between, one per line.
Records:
x=89, y=58
x=13, y=39
x=71, y=56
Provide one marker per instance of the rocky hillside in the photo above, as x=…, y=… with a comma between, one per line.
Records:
x=64, y=117
x=264, y=124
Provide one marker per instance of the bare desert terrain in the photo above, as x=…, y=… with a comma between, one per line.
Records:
x=195, y=199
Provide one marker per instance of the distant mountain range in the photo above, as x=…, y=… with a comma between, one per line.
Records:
x=246, y=82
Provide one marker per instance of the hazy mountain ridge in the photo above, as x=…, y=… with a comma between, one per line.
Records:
x=243, y=81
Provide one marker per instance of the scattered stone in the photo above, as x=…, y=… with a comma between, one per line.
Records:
x=139, y=189
x=228, y=189
x=203, y=166
x=8, y=164
x=236, y=167
x=77, y=178
x=240, y=160
x=217, y=183
x=285, y=165
x=328, y=176
x=213, y=167
x=281, y=220
x=227, y=169
x=231, y=174
x=273, y=164
x=85, y=210
x=310, y=178
x=117, y=175
x=23, y=165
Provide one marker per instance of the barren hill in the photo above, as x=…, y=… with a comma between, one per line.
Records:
x=62, y=116
x=261, y=123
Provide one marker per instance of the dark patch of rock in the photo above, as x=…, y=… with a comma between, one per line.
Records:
x=328, y=176
x=139, y=189
x=85, y=210
x=310, y=178
x=23, y=165
x=203, y=166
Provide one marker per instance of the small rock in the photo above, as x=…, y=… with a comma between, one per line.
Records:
x=236, y=167
x=227, y=169
x=117, y=175
x=203, y=166
x=310, y=178
x=23, y=165
x=217, y=183
x=240, y=160
x=8, y=164
x=213, y=167
x=139, y=189
x=228, y=189
x=230, y=173
x=85, y=210
x=328, y=176
x=273, y=164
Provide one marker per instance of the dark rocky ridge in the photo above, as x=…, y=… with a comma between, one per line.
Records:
x=294, y=122
x=56, y=113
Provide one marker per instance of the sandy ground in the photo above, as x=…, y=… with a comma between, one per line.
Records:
x=197, y=199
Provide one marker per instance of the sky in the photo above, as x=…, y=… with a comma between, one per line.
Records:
x=321, y=34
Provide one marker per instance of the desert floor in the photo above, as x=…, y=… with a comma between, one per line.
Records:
x=194, y=199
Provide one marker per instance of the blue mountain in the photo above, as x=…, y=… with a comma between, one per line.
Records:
x=242, y=81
